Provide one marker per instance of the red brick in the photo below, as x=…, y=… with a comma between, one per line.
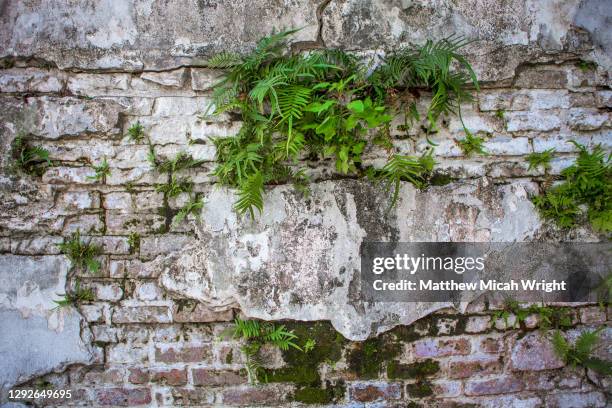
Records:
x=441, y=347
x=246, y=396
x=197, y=396
x=490, y=345
x=170, y=377
x=501, y=385
x=368, y=392
x=123, y=396
x=592, y=315
x=469, y=368
x=211, y=378
x=534, y=352
x=186, y=354
x=138, y=376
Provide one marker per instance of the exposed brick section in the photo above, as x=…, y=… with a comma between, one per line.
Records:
x=200, y=313
x=368, y=392
x=142, y=314
x=501, y=385
x=534, y=352
x=252, y=396
x=441, y=347
x=183, y=354
x=471, y=368
x=213, y=378
x=172, y=377
x=124, y=397
x=139, y=376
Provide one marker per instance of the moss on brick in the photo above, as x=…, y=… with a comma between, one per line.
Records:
x=320, y=395
x=366, y=358
x=303, y=368
x=420, y=389
x=420, y=369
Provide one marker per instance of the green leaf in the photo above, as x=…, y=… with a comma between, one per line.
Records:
x=356, y=106
x=250, y=195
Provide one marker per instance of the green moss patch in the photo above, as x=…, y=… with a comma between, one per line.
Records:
x=420, y=369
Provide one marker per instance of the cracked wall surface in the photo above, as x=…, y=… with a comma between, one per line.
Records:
x=76, y=75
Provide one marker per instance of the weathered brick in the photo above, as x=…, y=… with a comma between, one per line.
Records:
x=534, y=352
x=202, y=79
x=183, y=353
x=93, y=312
x=189, y=396
x=126, y=353
x=472, y=367
x=592, y=315
x=47, y=245
x=501, y=385
x=214, y=378
x=508, y=146
x=124, y=397
x=587, y=119
x=98, y=84
x=131, y=268
x=125, y=224
x=249, y=395
x=174, y=78
x=477, y=324
x=490, y=345
x=68, y=175
x=441, y=347
x=111, y=292
x=147, y=291
x=537, y=121
x=160, y=245
x=541, y=77
x=576, y=400
x=180, y=106
x=374, y=391
x=31, y=80
x=71, y=201
x=112, y=245
x=444, y=388
x=171, y=377
x=139, y=376
x=141, y=314
x=199, y=313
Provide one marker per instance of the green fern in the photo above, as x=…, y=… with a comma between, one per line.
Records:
x=175, y=186
x=404, y=168
x=537, y=159
x=250, y=195
x=257, y=334
x=588, y=182
x=322, y=104
x=580, y=354
x=472, y=144
x=29, y=159
x=81, y=254
x=134, y=242
x=193, y=206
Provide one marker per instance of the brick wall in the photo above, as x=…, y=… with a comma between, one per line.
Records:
x=154, y=348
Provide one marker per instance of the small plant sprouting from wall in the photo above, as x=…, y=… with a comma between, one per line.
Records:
x=78, y=296
x=256, y=334
x=586, y=183
x=581, y=352
x=102, y=171
x=540, y=159
x=472, y=145
x=136, y=132
x=134, y=242
x=327, y=104
x=193, y=206
x=30, y=159
x=82, y=255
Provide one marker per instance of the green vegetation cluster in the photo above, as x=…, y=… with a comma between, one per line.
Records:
x=584, y=193
x=327, y=103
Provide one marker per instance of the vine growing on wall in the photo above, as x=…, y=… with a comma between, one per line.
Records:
x=329, y=103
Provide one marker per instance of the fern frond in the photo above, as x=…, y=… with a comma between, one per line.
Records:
x=250, y=195
x=224, y=59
